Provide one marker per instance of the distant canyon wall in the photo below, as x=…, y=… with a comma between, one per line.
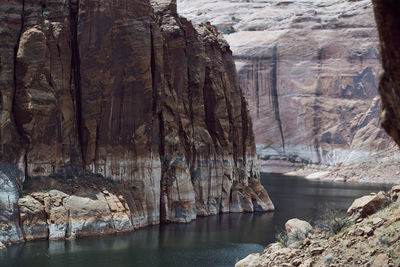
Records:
x=309, y=70
x=132, y=93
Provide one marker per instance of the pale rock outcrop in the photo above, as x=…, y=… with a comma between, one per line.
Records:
x=309, y=70
x=250, y=260
x=395, y=192
x=297, y=226
x=57, y=215
x=10, y=182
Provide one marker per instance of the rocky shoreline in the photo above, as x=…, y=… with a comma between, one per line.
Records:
x=91, y=205
x=370, y=238
x=381, y=167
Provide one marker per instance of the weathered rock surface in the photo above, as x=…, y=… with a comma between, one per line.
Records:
x=367, y=205
x=297, y=226
x=10, y=176
x=309, y=70
x=133, y=93
x=389, y=86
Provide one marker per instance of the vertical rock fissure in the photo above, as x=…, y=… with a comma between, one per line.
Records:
x=76, y=72
x=257, y=89
x=317, y=107
x=245, y=127
x=274, y=92
x=18, y=126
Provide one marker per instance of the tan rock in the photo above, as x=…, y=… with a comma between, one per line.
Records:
x=307, y=263
x=297, y=226
x=367, y=205
x=381, y=260
x=250, y=260
x=33, y=218
x=2, y=246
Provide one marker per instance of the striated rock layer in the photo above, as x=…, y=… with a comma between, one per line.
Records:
x=309, y=71
x=128, y=91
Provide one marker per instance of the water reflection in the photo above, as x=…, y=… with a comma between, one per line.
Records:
x=212, y=241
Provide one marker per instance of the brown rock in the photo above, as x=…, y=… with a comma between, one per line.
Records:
x=307, y=263
x=156, y=105
x=316, y=251
x=389, y=85
x=367, y=205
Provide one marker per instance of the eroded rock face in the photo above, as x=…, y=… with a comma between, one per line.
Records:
x=135, y=94
x=389, y=87
x=367, y=205
x=309, y=70
x=10, y=181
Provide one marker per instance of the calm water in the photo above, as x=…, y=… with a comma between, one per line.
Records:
x=212, y=241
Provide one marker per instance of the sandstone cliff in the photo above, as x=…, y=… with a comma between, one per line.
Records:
x=389, y=86
x=309, y=70
x=377, y=232
x=125, y=92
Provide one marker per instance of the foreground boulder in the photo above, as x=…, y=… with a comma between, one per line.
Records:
x=367, y=205
x=295, y=227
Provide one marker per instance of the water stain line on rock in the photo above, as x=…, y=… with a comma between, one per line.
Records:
x=76, y=73
x=317, y=108
x=274, y=92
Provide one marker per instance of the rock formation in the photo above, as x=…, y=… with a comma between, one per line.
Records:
x=389, y=87
x=127, y=92
x=309, y=71
x=376, y=216
x=371, y=241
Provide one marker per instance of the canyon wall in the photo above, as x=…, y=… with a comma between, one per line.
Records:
x=389, y=86
x=309, y=70
x=127, y=92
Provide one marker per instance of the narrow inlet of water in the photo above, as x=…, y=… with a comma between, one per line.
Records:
x=212, y=241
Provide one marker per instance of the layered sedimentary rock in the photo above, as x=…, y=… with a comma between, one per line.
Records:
x=132, y=93
x=309, y=70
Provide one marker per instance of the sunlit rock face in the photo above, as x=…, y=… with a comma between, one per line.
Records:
x=309, y=70
x=133, y=93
